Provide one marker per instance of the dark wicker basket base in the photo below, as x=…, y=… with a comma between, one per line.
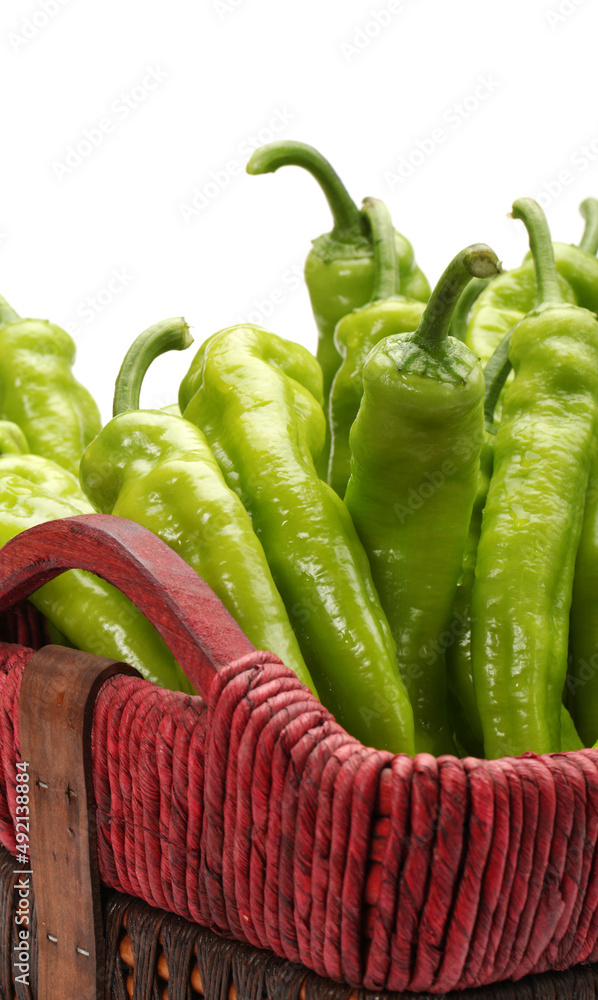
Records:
x=153, y=955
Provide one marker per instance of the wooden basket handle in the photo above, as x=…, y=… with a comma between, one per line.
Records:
x=56, y=704
x=197, y=628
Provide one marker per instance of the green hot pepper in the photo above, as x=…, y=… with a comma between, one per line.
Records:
x=506, y=301
x=578, y=264
x=39, y=392
x=582, y=682
x=416, y=448
x=92, y=614
x=339, y=270
x=258, y=400
x=532, y=520
x=462, y=704
x=12, y=439
x=514, y=294
x=48, y=475
x=356, y=334
x=459, y=660
x=157, y=469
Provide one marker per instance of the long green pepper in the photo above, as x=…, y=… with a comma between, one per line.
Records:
x=258, y=400
x=463, y=707
x=356, y=334
x=12, y=439
x=339, y=270
x=582, y=680
x=157, y=469
x=39, y=392
x=532, y=520
x=464, y=710
x=48, y=475
x=513, y=295
x=462, y=704
x=416, y=447
x=93, y=615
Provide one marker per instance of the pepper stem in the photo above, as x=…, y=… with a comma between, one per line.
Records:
x=168, y=335
x=495, y=374
x=540, y=242
x=476, y=261
x=589, y=240
x=464, y=306
x=346, y=215
x=7, y=313
x=387, y=281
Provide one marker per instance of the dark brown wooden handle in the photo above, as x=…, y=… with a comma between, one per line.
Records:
x=199, y=631
x=58, y=694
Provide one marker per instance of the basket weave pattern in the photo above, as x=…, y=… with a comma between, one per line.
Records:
x=258, y=816
x=150, y=953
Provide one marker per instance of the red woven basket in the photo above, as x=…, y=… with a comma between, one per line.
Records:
x=251, y=811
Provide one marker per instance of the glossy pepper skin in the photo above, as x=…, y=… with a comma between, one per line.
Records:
x=463, y=707
x=339, y=270
x=416, y=446
x=355, y=335
x=258, y=400
x=514, y=294
x=464, y=710
x=506, y=301
x=92, y=614
x=48, y=475
x=12, y=439
x=39, y=392
x=157, y=469
x=462, y=704
x=582, y=680
x=532, y=520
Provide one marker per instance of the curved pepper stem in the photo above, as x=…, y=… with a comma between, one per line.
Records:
x=345, y=213
x=476, y=261
x=540, y=242
x=589, y=240
x=386, y=263
x=167, y=335
x=7, y=313
x=463, y=308
x=496, y=373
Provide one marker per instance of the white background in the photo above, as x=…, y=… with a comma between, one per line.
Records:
x=188, y=86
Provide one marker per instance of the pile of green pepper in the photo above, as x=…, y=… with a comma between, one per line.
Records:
x=409, y=519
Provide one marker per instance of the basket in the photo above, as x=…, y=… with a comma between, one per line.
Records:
x=249, y=811
x=153, y=955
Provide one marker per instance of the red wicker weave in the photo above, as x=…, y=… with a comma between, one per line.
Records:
x=255, y=814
